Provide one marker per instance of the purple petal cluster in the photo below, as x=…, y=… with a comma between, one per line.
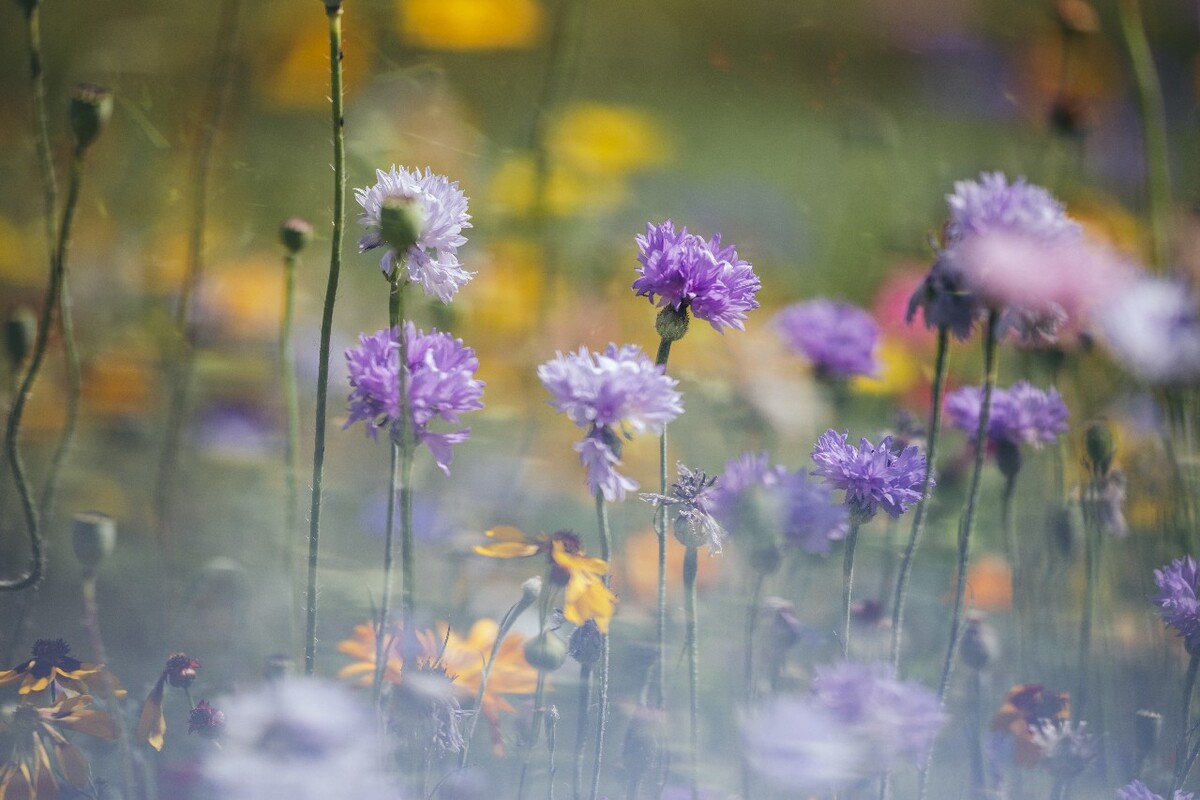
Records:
x=898, y=719
x=1178, y=585
x=794, y=743
x=683, y=271
x=433, y=260
x=1153, y=329
x=993, y=204
x=872, y=477
x=1139, y=791
x=614, y=394
x=839, y=339
x=1021, y=414
x=440, y=376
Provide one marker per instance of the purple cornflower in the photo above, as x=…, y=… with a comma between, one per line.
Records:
x=1021, y=414
x=694, y=523
x=682, y=271
x=872, y=477
x=436, y=217
x=619, y=392
x=795, y=743
x=993, y=204
x=1139, y=791
x=1153, y=329
x=896, y=719
x=839, y=339
x=441, y=384
x=811, y=520
x=1178, y=584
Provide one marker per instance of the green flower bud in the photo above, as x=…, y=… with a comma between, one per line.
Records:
x=295, y=234
x=672, y=324
x=546, y=652
x=91, y=106
x=93, y=536
x=19, y=331
x=401, y=221
x=1100, y=445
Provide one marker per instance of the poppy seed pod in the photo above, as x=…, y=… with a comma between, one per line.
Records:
x=19, y=331
x=295, y=234
x=93, y=536
x=91, y=107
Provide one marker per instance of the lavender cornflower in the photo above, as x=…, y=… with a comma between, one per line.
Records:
x=684, y=272
x=840, y=340
x=1021, y=414
x=1139, y=791
x=441, y=384
x=619, y=392
x=431, y=212
x=795, y=743
x=872, y=477
x=694, y=523
x=1153, y=329
x=1178, y=585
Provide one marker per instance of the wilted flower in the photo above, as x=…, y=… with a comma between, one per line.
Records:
x=619, y=392
x=440, y=379
x=436, y=213
x=1025, y=708
x=52, y=663
x=1139, y=791
x=694, y=524
x=1067, y=749
x=1021, y=414
x=28, y=771
x=682, y=271
x=586, y=596
x=1152, y=328
x=1178, y=583
x=840, y=340
x=297, y=739
x=872, y=477
x=206, y=721
x=180, y=672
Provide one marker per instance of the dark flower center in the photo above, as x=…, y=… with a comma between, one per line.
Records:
x=53, y=651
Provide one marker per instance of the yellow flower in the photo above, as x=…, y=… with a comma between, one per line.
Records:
x=40, y=750
x=51, y=664
x=582, y=577
x=465, y=25
x=899, y=371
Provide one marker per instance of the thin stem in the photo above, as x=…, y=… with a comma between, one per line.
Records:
x=690, y=566
x=1151, y=111
x=658, y=694
x=551, y=746
x=333, y=10
x=41, y=128
x=382, y=642
x=539, y=692
x=91, y=622
x=291, y=447
x=37, y=554
x=74, y=382
x=585, y=701
x=966, y=525
x=1185, y=719
x=1091, y=557
x=1015, y=573
x=748, y=665
x=974, y=735
x=918, y=525
x=602, y=706
x=848, y=584
x=505, y=626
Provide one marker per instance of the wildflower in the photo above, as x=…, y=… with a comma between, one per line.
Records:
x=206, y=721
x=180, y=672
x=796, y=744
x=1153, y=330
x=1021, y=414
x=440, y=379
x=52, y=664
x=619, y=392
x=299, y=739
x=872, y=477
x=37, y=733
x=1177, y=600
x=1067, y=749
x=840, y=340
x=1139, y=791
x=694, y=523
x=438, y=211
x=586, y=596
x=682, y=271
x=1026, y=707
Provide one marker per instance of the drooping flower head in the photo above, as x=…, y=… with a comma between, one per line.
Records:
x=872, y=477
x=1139, y=791
x=682, y=271
x=181, y=672
x=1178, y=586
x=840, y=340
x=694, y=523
x=611, y=395
x=441, y=384
x=1153, y=330
x=432, y=212
x=1020, y=414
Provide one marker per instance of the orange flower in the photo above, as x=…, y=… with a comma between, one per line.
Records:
x=1025, y=707
x=580, y=575
x=40, y=750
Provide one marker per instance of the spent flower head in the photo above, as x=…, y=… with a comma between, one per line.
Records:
x=840, y=340
x=431, y=213
x=611, y=395
x=1178, y=586
x=694, y=523
x=684, y=272
x=441, y=385
x=872, y=477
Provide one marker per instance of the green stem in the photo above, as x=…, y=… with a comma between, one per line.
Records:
x=382, y=641
x=966, y=525
x=1152, y=112
x=918, y=525
x=407, y=448
x=91, y=622
x=333, y=10
x=37, y=554
x=502, y=631
x=848, y=584
x=602, y=706
x=74, y=382
x=1185, y=720
x=539, y=692
x=974, y=734
x=690, y=566
x=660, y=529
x=291, y=399
x=41, y=129
x=748, y=664
x=1092, y=538
x=551, y=746
x=1008, y=523
x=585, y=700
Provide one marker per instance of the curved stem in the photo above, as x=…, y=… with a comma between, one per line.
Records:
x=690, y=565
x=918, y=525
x=291, y=399
x=333, y=10
x=966, y=525
x=538, y=694
x=505, y=626
x=41, y=129
x=74, y=382
x=848, y=585
x=602, y=706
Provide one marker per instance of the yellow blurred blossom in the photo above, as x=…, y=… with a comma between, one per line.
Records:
x=295, y=76
x=466, y=25
x=899, y=371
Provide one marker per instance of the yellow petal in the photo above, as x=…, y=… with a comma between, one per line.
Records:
x=152, y=725
x=506, y=550
x=71, y=763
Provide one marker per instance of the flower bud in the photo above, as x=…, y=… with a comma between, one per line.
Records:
x=19, y=331
x=91, y=106
x=1008, y=458
x=979, y=643
x=587, y=644
x=1100, y=446
x=672, y=324
x=401, y=221
x=206, y=721
x=1147, y=727
x=295, y=234
x=181, y=670
x=546, y=652
x=531, y=589
x=93, y=536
